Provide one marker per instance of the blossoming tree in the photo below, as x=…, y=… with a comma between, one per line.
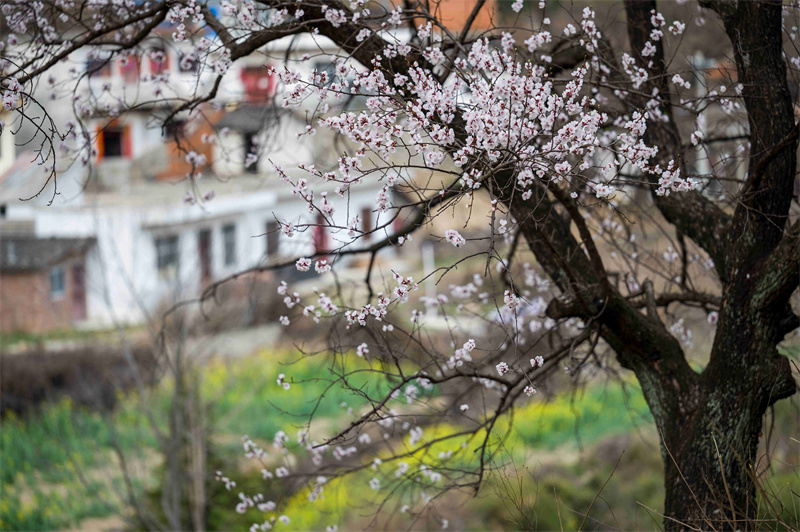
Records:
x=561, y=142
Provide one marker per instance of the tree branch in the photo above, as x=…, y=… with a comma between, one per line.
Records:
x=695, y=215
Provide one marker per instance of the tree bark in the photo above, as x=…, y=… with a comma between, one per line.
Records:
x=709, y=463
x=709, y=437
x=708, y=469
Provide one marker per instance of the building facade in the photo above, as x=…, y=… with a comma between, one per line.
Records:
x=150, y=235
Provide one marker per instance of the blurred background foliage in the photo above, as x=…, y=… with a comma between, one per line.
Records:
x=59, y=465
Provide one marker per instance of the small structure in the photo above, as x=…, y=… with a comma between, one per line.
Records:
x=42, y=283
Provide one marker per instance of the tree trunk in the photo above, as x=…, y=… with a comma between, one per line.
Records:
x=709, y=444
x=708, y=466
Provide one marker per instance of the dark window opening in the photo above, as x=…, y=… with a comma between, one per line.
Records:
x=78, y=292
x=229, y=240
x=188, y=62
x=112, y=143
x=251, y=154
x=98, y=67
x=174, y=128
x=366, y=219
x=167, y=254
x=327, y=71
x=273, y=236
x=57, y=282
x=204, y=247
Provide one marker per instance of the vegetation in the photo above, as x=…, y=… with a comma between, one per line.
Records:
x=58, y=467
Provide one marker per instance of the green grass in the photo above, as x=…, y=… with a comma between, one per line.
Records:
x=46, y=448
x=10, y=339
x=583, y=417
x=246, y=398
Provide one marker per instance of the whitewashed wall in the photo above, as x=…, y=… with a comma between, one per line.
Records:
x=123, y=283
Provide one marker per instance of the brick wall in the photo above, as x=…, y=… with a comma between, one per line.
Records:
x=25, y=303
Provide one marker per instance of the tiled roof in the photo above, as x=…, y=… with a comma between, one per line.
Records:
x=27, y=253
x=250, y=118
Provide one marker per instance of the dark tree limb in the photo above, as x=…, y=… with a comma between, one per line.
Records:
x=692, y=213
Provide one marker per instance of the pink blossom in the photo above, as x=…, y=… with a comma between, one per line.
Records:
x=502, y=368
x=303, y=264
x=454, y=238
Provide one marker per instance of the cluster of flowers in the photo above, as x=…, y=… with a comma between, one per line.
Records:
x=11, y=95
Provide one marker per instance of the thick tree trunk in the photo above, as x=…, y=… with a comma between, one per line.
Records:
x=709, y=465
x=710, y=434
x=710, y=442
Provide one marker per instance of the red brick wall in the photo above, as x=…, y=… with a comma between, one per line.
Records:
x=25, y=303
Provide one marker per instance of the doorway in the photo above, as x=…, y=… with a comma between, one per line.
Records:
x=204, y=247
x=78, y=292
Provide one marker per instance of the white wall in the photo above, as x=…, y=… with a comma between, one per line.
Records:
x=278, y=146
x=123, y=283
x=7, y=148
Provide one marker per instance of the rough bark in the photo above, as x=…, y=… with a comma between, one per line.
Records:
x=709, y=455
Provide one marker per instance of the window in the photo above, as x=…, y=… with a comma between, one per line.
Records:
x=366, y=219
x=159, y=61
x=129, y=66
x=229, y=241
x=250, y=153
x=188, y=62
x=204, y=249
x=258, y=83
x=328, y=68
x=111, y=143
x=320, y=235
x=167, y=254
x=98, y=67
x=57, y=282
x=173, y=129
x=273, y=234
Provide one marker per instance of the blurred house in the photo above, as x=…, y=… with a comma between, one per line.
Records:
x=43, y=283
x=112, y=242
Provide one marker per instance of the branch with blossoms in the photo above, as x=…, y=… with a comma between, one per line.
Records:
x=529, y=139
x=384, y=427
